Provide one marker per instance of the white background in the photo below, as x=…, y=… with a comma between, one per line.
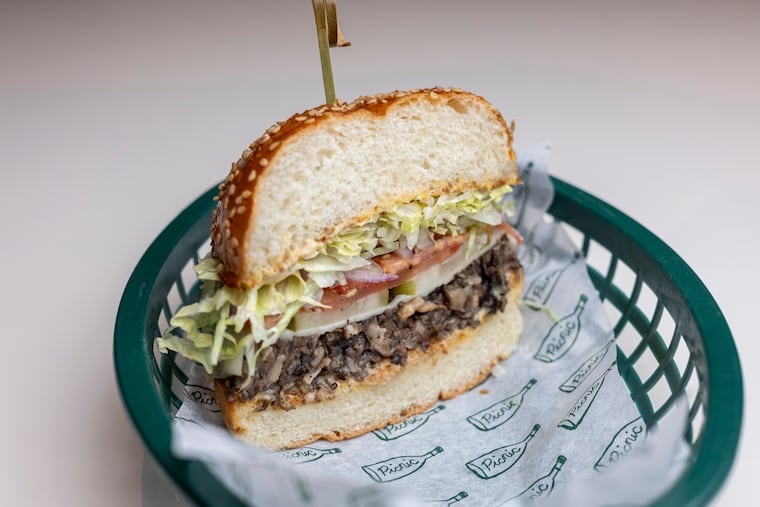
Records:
x=114, y=116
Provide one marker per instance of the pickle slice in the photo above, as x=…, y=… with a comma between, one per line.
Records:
x=408, y=288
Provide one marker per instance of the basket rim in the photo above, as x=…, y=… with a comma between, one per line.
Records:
x=133, y=373
x=707, y=473
x=699, y=484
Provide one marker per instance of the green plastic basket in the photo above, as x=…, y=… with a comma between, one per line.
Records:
x=672, y=339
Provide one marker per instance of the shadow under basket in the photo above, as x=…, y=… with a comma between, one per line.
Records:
x=672, y=339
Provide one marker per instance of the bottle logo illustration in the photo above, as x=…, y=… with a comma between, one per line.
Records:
x=306, y=454
x=625, y=440
x=575, y=415
x=562, y=335
x=541, y=488
x=543, y=285
x=500, y=412
x=585, y=369
x=497, y=461
x=394, y=431
x=449, y=501
x=393, y=469
x=202, y=396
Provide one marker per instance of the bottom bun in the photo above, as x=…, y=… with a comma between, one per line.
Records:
x=389, y=395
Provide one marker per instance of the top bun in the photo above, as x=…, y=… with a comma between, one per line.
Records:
x=336, y=166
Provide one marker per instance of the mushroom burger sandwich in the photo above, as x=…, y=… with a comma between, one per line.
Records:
x=361, y=267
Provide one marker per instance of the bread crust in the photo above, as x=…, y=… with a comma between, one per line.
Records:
x=237, y=209
x=241, y=417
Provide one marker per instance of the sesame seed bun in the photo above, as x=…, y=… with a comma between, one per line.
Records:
x=335, y=166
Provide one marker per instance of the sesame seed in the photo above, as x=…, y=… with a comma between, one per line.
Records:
x=263, y=162
x=300, y=118
x=232, y=213
x=226, y=224
x=247, y=153
x=239, y=199
x=226, y=233
x=264, y=138
x=273, y=145
x=232, y=188
x=251, y=175
x=216, y=198
x=246, y=194
x=433, y=95
x=240, y=162
x=274, y=128
x=241, y=209
x=310, y=120
x=234, y=242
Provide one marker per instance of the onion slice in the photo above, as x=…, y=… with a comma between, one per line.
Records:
x=371, y=273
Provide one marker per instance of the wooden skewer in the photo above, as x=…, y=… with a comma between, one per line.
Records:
x=328, y=35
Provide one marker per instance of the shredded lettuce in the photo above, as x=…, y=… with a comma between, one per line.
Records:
x=227, y=323
x=411, y=223
x=538, y=306
x=228, y=327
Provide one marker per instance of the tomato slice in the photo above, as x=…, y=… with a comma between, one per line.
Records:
x=339, y=295
x=405, y=268
x=510, y=231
